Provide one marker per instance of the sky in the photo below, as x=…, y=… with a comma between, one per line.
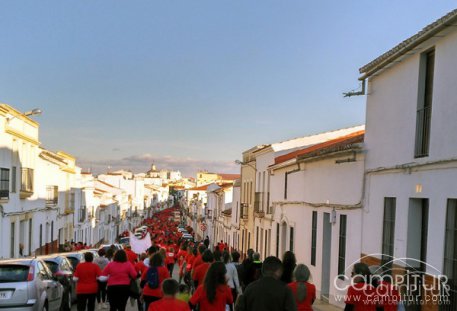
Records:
x=190, y=85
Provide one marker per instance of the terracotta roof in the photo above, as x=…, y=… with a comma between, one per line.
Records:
x=105, y=183
x=229, y=176
x=409, y=44
x=325, y=147
x=200, y=188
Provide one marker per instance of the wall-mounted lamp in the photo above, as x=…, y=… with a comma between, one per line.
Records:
x=33, y=112
x=245, y=163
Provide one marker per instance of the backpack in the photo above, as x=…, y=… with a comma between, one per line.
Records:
x=152, y=277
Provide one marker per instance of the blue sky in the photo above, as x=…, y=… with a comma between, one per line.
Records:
x=191, y=84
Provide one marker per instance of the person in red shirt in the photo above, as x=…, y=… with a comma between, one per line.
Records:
x=304, y=292
x=119, y=272
x=170, y=259
x=140, y=267
x=213, y=294
x=361, y=294
x=153, y=294
x=198, y=260
x=198, y=275
x=169, y=301
x=86, y=275
x=132, y=257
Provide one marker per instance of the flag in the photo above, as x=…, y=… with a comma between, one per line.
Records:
x=140, y=246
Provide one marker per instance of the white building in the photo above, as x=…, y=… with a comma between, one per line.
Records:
x=411, y=142
x=316, y=196
x=219, y=212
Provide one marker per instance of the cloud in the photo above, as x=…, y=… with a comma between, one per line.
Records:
x=142, y=163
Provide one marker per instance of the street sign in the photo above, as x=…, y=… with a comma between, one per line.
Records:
x=203, y=226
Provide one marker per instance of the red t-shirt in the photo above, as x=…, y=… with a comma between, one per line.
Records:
x=140, y=267
x=223, y=297
x=87, y=272
x=189, y=262
x=132, y=257
x=155, y=292
x=306, y=304
x=169, y=304
x=170, y=258
x=362, y=296
x=200, y=272
x=197, y=261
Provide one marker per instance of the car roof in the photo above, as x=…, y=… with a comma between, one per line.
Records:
x=56, y=258
x=17, y=261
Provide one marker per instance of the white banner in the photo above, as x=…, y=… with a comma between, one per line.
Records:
x=140, y=246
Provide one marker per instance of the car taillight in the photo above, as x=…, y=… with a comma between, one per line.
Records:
x=31, y=274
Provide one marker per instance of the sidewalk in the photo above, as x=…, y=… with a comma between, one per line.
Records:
x=320, y=305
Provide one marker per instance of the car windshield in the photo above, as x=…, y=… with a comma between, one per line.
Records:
x=52, y=266
x=74, y=262
x=13, y=273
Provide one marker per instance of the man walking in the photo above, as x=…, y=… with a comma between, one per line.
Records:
x=267, y=293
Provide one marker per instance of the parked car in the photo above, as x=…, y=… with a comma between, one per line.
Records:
x=106, y=246
x=74, y=257
x=28, y=284
x=124, y=241
x=62, y=270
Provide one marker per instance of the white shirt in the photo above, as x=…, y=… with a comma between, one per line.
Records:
x=232, y=277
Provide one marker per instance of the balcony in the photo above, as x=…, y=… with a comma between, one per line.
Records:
x=244, y=211
x=52, y=194
x=258, y=205
x=26, y=183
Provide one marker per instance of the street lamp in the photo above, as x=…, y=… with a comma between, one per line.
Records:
x=245, y=163
x=33, y=112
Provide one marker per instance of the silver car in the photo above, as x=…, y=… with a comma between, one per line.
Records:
x=27, y=284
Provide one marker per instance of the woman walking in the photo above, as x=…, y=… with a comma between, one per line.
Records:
x=213, y=294
x=289, y=262
x=86, y=275
x=120, y=272
x=102, y=262
x=304, y=292
x=231, y=276
x=153, y=278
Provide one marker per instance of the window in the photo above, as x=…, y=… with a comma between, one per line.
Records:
x=285, y=185
x=450, y=250
x=257, y=239
x=424, y=105
x=13, y=179
x=388, y=231
x=342, y=247
x=4, y=183
x=277, y=240
x=27, y=179
x=52, y=194
x=30, y=236
x=313, y=239
x=12, y=240
x=82, y=214
x=291, y=239
x=41, y=236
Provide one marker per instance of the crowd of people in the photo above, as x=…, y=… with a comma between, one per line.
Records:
x=208, y=280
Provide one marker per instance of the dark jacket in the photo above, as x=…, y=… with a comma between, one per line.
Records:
x=266, y=294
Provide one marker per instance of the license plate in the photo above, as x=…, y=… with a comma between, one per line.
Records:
x=6, y=294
